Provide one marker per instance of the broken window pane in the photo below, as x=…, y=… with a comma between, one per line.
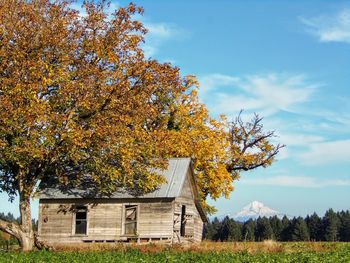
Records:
x=130, y=225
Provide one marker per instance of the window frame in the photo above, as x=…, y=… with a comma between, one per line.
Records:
x=135, y=222
x=78, y=207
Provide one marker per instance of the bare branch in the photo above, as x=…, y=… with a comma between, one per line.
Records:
x=250, y=145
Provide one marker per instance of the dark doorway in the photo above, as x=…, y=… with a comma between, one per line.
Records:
x=183, y=221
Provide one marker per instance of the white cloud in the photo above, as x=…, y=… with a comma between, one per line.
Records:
x=158, y=34
x=284, y=100
x=335, y=28
x=327, y=152
x=161, y=30
x=264, y=93
x=278, y=91
x=296, y=181
x=215, y=80
x=291, y=139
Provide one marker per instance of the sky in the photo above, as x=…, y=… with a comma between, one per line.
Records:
x=288, y=61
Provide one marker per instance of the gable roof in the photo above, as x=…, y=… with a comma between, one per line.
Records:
x=174, y=175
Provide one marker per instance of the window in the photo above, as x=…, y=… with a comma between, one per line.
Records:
x=183, y=221
x=130, y=223
x=81, y=220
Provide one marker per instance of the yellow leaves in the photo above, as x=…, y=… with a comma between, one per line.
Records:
x=2, y=143
x=78, y=97
x=191, y=80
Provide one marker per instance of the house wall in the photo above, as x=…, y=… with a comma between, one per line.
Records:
x=105, y=220
x=156, y=220
x=194, y=223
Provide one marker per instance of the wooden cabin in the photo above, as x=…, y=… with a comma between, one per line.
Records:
x=172, y=213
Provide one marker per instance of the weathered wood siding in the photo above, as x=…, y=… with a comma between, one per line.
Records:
x=198, y=229
x=55, y=222
x=155, y=220
x=104, y=220
x=194, y=223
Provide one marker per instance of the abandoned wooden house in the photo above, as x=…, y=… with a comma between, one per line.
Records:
x=172, y=213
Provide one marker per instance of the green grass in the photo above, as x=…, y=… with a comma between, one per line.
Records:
x=336, y=253
x=136, y=256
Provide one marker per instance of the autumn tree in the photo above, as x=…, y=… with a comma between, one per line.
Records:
x=78, y=97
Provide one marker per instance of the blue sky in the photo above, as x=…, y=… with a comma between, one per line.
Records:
x=288, y=61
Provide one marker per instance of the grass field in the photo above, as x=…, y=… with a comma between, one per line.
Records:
x=205, y=252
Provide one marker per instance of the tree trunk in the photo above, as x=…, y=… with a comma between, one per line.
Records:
x=22, y=232
x=26, y=237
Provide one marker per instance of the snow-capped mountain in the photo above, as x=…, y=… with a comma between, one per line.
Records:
x=254, y=210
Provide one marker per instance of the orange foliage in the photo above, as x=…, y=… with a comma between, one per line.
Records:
x=78, y=96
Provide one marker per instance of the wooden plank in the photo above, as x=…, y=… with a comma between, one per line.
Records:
x=104, y=221
x=155, y=219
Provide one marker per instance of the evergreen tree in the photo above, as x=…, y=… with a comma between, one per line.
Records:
x=331, y=224
x=235, y=231
x=208, y=231
x=263, y=229
x=211, y=230
x=332, y=227
x=344, y=231
x=314, y=224
x=299, y=230
x=276, y=226
x=285, y=233
x=230, y=230
x=225, y=229
x=248, y=230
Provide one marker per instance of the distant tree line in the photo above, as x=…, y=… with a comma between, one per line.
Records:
x=331, y=227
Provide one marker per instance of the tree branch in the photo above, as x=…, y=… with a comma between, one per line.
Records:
x=10, y=228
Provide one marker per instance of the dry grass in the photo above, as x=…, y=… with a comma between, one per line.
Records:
x=268, y=246
x=4, y=236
